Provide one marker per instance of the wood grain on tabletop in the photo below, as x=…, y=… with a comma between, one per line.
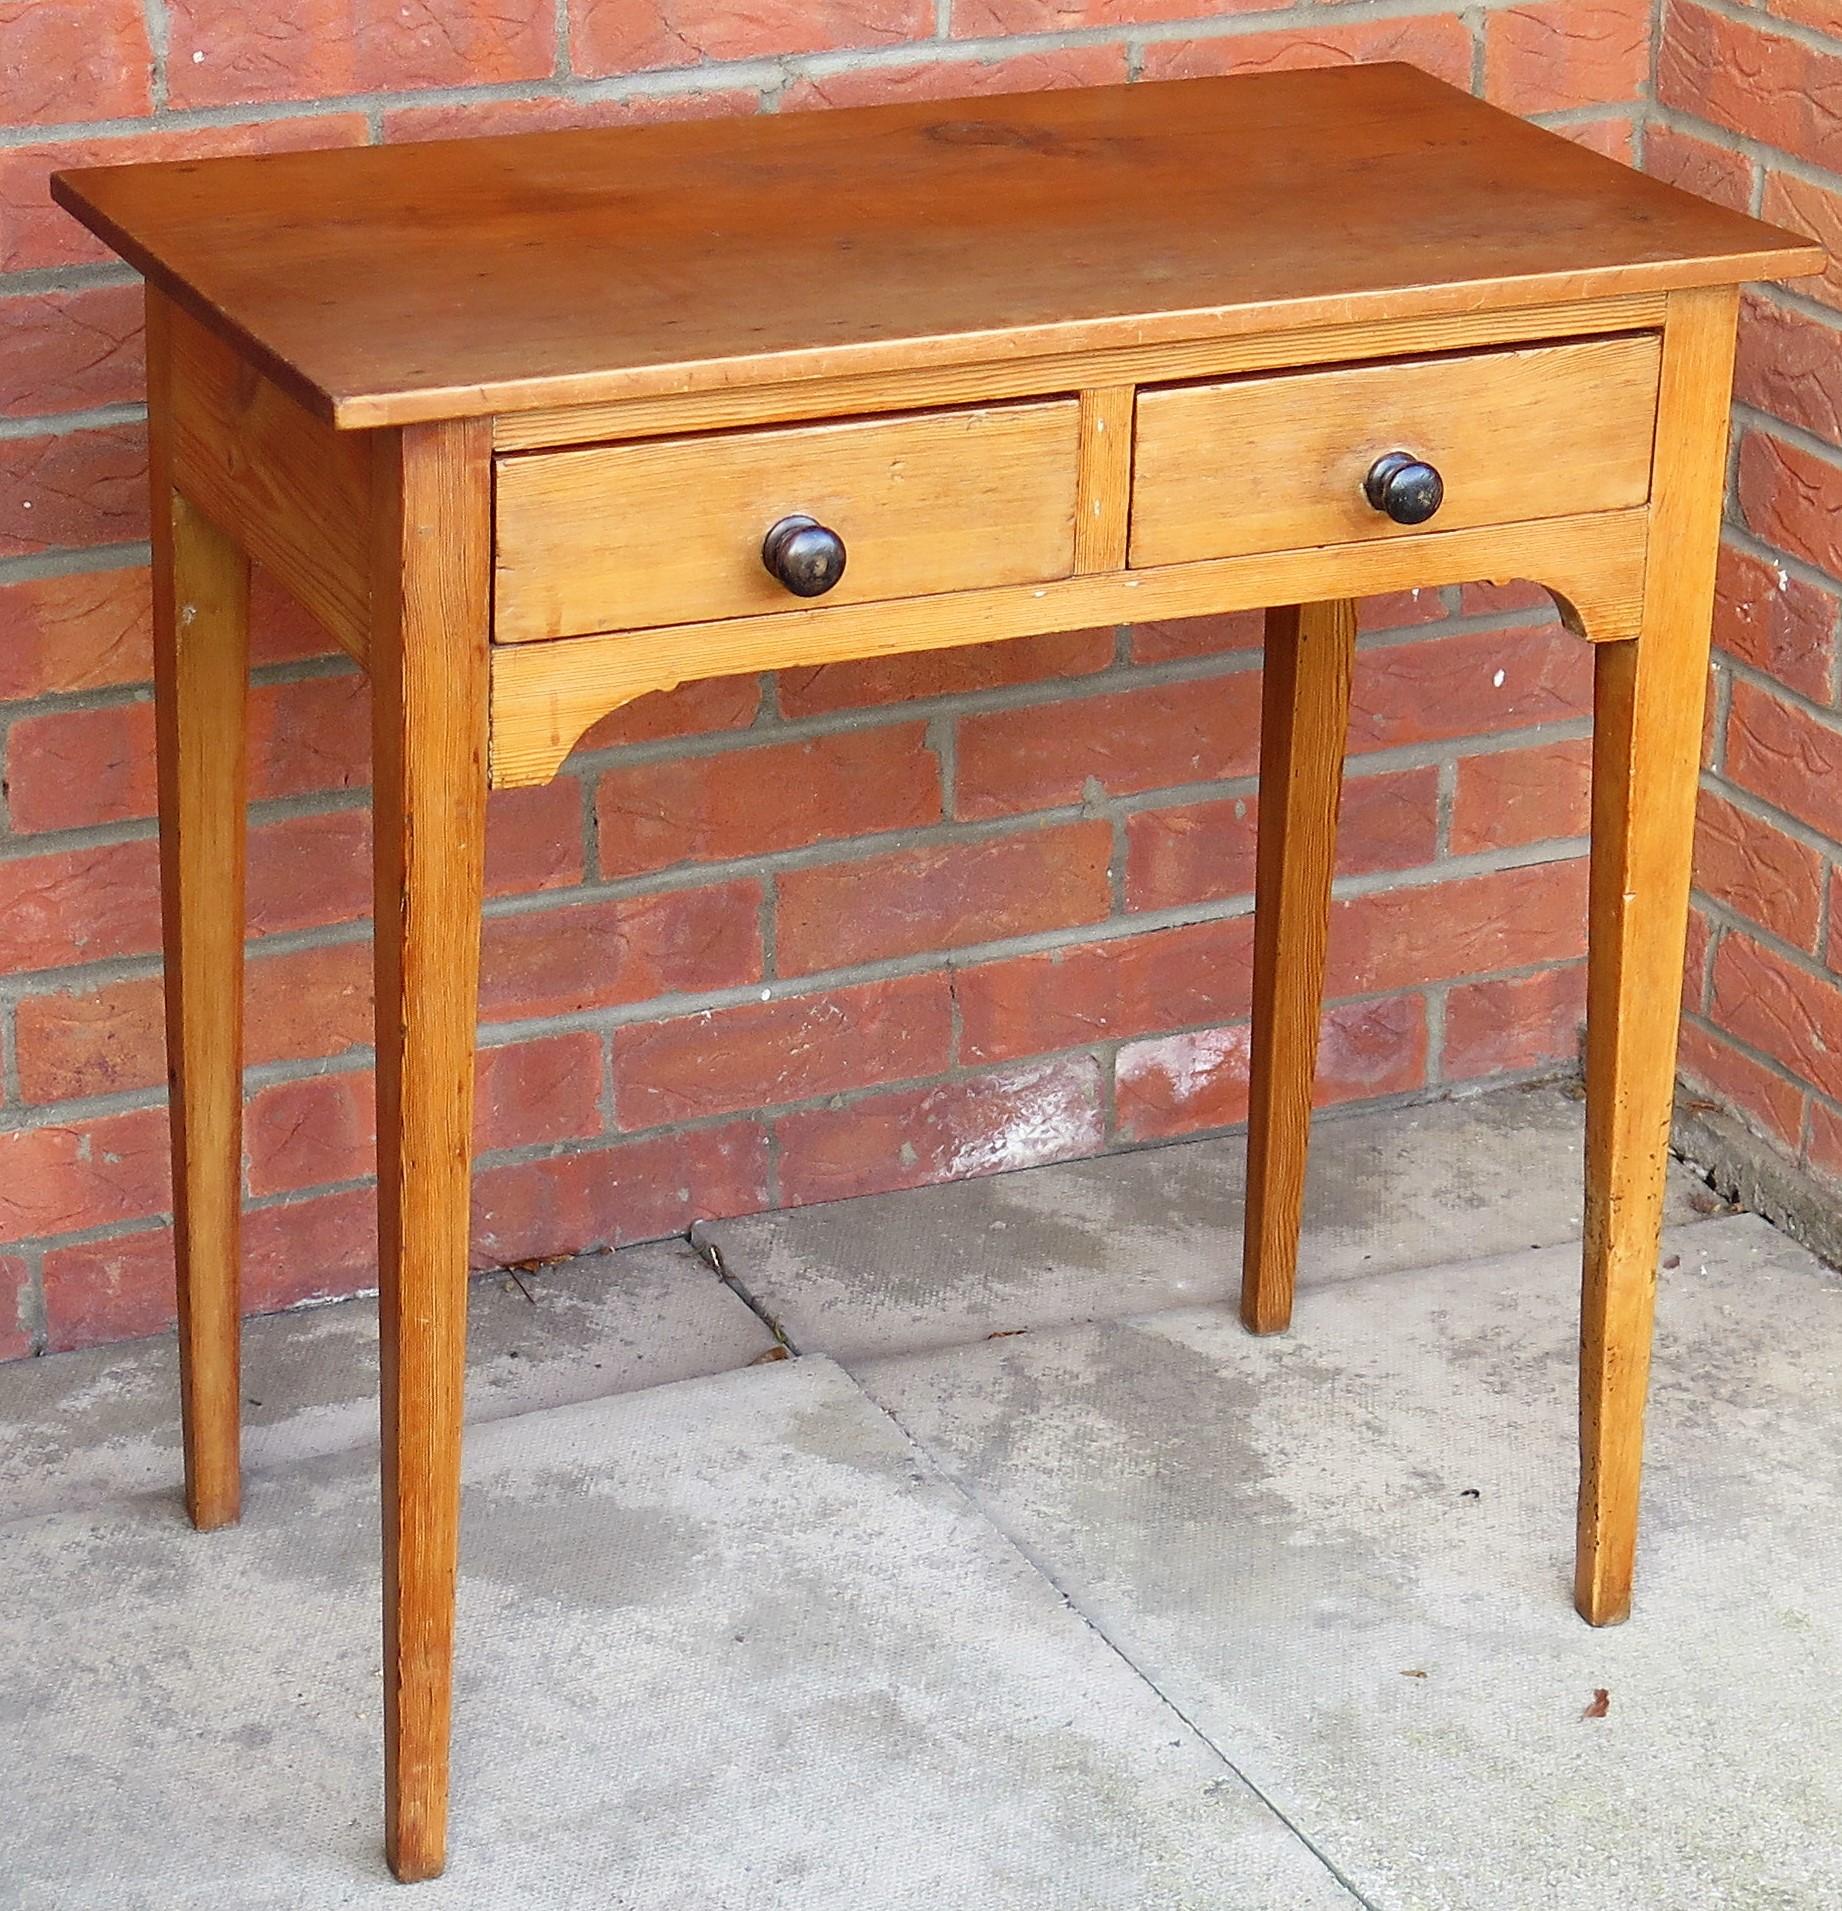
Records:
x=388, y=284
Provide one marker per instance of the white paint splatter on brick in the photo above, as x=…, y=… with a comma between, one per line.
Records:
x=1189, y=1063
x=1037, y=1115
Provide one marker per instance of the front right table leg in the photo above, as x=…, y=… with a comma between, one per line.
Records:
x=1649, y=695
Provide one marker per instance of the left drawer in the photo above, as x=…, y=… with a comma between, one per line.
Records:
x=670, y=530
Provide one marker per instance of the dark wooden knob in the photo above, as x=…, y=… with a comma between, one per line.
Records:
x=806, y=557
x=1406, y=488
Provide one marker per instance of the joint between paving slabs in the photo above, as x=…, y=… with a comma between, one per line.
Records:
x=784, y=1347
x=1040, y=1567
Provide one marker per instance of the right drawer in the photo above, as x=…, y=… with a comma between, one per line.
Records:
x=1278, y=462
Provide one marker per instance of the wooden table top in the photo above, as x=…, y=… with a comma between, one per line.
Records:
x=385, y=285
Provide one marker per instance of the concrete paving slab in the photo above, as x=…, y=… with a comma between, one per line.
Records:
x=732, y=1645
x=85, y=1428
x=1130, y=1234
x=1346, y=1554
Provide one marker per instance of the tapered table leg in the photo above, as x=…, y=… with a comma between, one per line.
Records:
x=201, y=673
x=429, y=685
x=1648, y=705
x=1304, y=727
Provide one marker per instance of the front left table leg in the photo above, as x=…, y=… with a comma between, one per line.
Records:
x=429, y=700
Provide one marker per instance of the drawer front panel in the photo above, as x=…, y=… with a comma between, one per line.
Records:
x=1278, y=463
x=630, y=537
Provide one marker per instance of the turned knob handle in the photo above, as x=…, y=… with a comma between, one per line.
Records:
x=1405, y=488
x=804, y=555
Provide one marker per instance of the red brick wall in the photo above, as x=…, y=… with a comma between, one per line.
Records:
x=935, y=916
x=1749, y=110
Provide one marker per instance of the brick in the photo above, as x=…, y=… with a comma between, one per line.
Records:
x=1180, y=1084
x=307, y=871
x=1129, y=740
x=70, y=769
x=311, y=1133
x=942, y=896
x=1793, y=499
x=567, y=960
x=69, y=351
x=534, y=838
x=632, y=36
x=88, y=631
x=1781, y=1010
x=557, y=112
x=1514, y=1023
x=1699, y=166
x=320, y=1248
x=305, y=1005
x=73, y=488
x=967, y=668
x=35, y=234
x=1557, y=54
x=74, y=768
x=1183, y=637
x=753, y=802
x=1779, y=624
x=1511, y=798
x=228, y=52
x=1105, y=991
x=73, y=59
x=641, y=1190
x=1437, y=44
x=1834, y=954
x=544, y=1090
x=985, y=1124
x=79, y=905
x=1038, y=71
x=1786, y=756
x=1753, y=81
x=308, y=1004
x=1816, y=210
x=98, y=1173
x=1615, y=136
x=1202, y=852
x=1458, y=930
x=1757, y=871
x=761, y=1055
x=979, y=19
x=1820, y=14
x=1825, y=1141
x=1736, y=1083
x=694, y=709
x=1790, y=365
x=1192, y=852
x=15, y=1290
x=117, y=1289
x=1185, y=1084
x=1470, y=685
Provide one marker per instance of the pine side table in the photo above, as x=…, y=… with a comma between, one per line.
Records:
x=536, y=425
